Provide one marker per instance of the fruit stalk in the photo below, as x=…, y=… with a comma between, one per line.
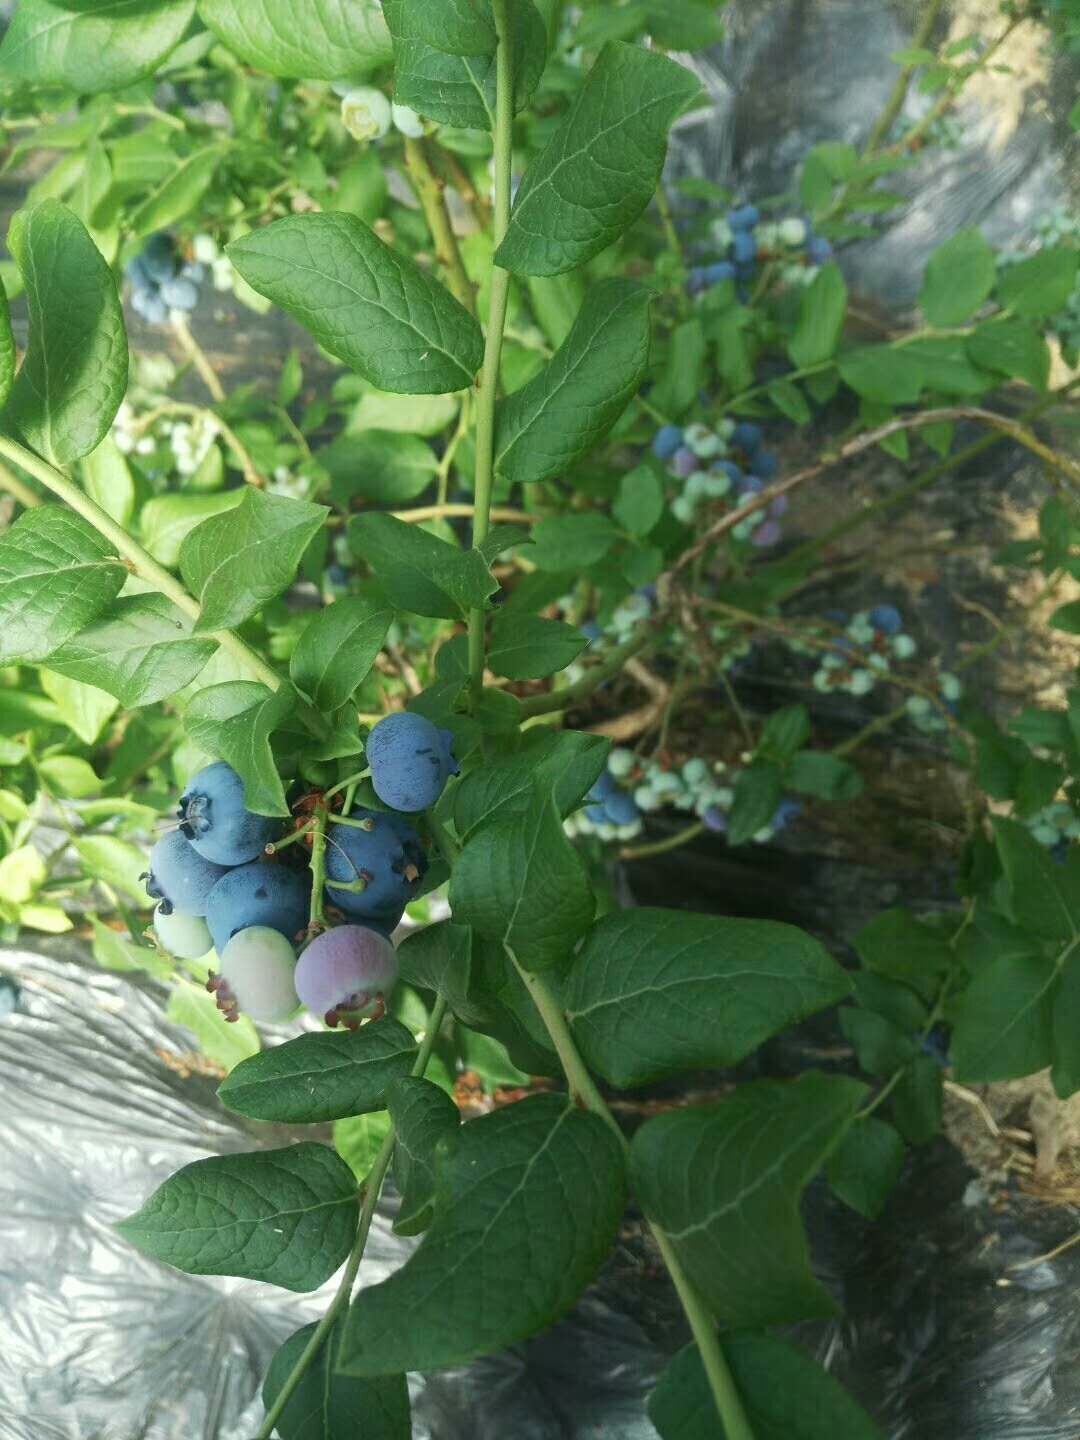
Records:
x=500, y=285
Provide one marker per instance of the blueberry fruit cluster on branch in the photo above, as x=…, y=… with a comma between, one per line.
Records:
x=162, y=280
x=224, y=882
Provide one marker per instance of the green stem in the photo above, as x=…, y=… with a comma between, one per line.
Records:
x=372, y=1187
x=895, y=103
x=141, y=563
x=318, y=862
x=583, y=1088
x=429, y=191
x=9, y=481
x=500, y=286
x=344, y=785
x=581, y=689
x=661, y=847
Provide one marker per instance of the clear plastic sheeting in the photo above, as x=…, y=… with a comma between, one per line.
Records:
x=794, y=73
x=941, y=1336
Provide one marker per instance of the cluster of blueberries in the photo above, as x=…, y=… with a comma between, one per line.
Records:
x=1054, y=826
x=745, y=241
x=631, y=786
x=162, y=280
x=222, y=881
x=729, y=459
x=870, y=641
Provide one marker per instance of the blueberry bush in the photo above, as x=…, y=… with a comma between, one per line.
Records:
x=287, y=665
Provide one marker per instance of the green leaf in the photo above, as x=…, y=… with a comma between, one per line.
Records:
x=337, y=40
x=82, y=708
x=117, y=862
x=191, y=1006
x=1045, y=897
x=1012, y=347
x=786, y=731
x=167, y=520
x=866, y=1165
x=524, y=647
x=540, y=1162
x=522, y=882
x=822, y=307
x=640, y=502
x=653, y=992
x=94, y=46
x=141, y=650
x=601, y=167
x=571, y=542
x=1003, y=1022
x=22, y=874
x=790, y=401
x=1066, y=1030
x=234, y=722
x=880, y=1045
x=107, y=480
x=359, y=1139
x=946, y=366
x=691, y=25
x=381, y=465
x=816, y=772
x=916, y=1102
x=284, y=1216
x=459, y=90
x=56, y=574
x=758, y=791
x=113, y=951
x=959, y=276
x=684, y=370
x=70, y=776
x=897, y=945
x=418, y=571
x=234, y=563
x=74, y=374
x=7, y=350
x=460, y=27
x=427, y=1122
x=891, y=376
x=785, y=1394
x=327, y=1405
x=1066, y=617
x=179, y=193
x=367, y=304
x=565, y=764
x=723, y=1181
x=1041, y=285
x=337, y=650
x=544, y=427
x=328, y=1075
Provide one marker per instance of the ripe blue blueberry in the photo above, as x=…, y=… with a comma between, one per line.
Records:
x=721, y=270
x=743, y=217
x=180, y=877
x=256, y=976
x=666, y=441
x=179, y=294
x=159, y=258
x=743, y=247
x=382, y=853
x=410, y=761
x=216, y=821
x=621, y=809
x=747, y=436
x=345, y=974
x=887, y=619
x=263, y=893
x=149, y=304
x=818, y=250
